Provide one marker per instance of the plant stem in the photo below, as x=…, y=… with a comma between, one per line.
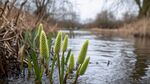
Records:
x=38, y=82
x=29, y=74
x=49, y=74
x=77, y=74
x=53, y=65
x=65, y=79
x=62, y=68
x=58, y=61
x=75, y=82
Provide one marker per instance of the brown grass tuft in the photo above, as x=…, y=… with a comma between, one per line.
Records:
x=139, y=28
x=10, y=35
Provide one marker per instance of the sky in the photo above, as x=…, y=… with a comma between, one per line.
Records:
x=88, y=9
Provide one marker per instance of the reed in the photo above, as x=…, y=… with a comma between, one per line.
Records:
x=138, y=28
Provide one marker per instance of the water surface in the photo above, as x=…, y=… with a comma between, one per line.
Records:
x=114, y=60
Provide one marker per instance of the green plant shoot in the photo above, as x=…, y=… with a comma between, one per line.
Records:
x=57, y=45
x=44, y=49
x=65, y=43
x=83, y=52
x=71, y=64
x=84, y=66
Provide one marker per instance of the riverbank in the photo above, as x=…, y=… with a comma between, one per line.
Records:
x=13, y=24
x=139, y=28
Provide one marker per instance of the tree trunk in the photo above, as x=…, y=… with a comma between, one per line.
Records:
x=143, y=11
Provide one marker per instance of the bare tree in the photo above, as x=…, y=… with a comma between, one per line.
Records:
x=41, y=8
x=19, y=12
x=128, y=18
x=143, y=6
x=105, y=19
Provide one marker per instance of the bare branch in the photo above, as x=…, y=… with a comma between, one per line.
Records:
x=5, y=6
x=19, y=12
x=11, y=7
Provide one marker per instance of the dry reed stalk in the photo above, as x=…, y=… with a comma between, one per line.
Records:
x=140, y=28
x=9, y=40
x=20, y=10
x=5, y=7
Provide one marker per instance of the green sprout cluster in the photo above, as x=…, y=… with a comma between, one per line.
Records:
x=38, y=49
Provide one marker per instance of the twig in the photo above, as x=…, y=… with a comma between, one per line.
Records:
x=19, y=12
x=7, y=39
x=5, y=6
x=11, y=7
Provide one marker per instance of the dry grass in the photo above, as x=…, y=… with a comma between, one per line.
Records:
x=139, y=28
x=10, y=35
x=25, y=20
x=9, y=39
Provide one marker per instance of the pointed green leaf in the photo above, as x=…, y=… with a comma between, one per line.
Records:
x=83, y=52
x=71, y=64
x=84, y=66
x=44, y=49
x=57, y=45
x=65, y=43
x=40, y=28
x=37, y=34
x=29, y=63
x=68, y=56
x=36, y=67
x=26, y=36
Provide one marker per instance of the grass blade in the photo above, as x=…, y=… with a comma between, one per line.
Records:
x=36, y=67
x=68, y=56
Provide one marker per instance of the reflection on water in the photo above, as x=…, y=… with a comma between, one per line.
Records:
x=114, y=60
x=141, y=70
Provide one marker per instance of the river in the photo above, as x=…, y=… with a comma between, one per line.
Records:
x=114, y=60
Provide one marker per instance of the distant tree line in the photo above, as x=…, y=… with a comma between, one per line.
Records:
x=106, y=19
